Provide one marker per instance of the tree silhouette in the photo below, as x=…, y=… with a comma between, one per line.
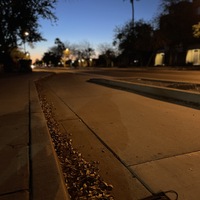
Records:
x=60, y=46
x=176, y=20
x=20, y=17
x=134, y=41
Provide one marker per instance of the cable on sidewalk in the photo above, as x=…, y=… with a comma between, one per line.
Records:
x=162, y=196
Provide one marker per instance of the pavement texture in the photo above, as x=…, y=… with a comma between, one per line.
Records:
x=29, y=168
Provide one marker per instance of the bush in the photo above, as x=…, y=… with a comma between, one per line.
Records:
x=25, y=65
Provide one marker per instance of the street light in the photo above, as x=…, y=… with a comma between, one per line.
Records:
x=66, y=54
x=66, y=51
x=25, y=35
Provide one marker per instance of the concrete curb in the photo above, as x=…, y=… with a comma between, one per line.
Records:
x=47, y=180
x=180, y=95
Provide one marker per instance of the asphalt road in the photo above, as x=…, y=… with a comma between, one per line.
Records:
x=158, y=141
x=166, y=74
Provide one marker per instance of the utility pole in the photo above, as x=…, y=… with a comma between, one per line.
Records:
x=25, y=35
x=133, y=10
x=132, y=5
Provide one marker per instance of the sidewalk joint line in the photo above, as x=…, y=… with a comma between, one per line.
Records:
x=163, y=158
x=14, y=192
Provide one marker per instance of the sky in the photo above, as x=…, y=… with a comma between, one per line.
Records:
x=92, y=21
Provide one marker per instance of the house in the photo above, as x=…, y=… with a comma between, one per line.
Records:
x=160, y=58
x=193, y=55
x=180, y=52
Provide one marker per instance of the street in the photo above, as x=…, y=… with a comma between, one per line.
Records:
x=157, y=141
x=154, y=73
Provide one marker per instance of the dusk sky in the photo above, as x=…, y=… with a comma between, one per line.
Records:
x=93, y=21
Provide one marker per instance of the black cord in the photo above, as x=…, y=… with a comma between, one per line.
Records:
x=161, y=195
x=172, y=192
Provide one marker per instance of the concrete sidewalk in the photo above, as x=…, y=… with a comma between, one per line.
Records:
x=29, y=168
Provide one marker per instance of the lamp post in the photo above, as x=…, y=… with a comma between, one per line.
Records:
x=66, y=53
x=25, y=35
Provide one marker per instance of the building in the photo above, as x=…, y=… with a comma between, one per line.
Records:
x=160, y=58
x=193, y=55
x=184, y=48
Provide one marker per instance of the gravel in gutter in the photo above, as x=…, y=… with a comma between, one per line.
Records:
x=82, y=178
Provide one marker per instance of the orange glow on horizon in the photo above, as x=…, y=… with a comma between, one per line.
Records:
x=35, y=56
